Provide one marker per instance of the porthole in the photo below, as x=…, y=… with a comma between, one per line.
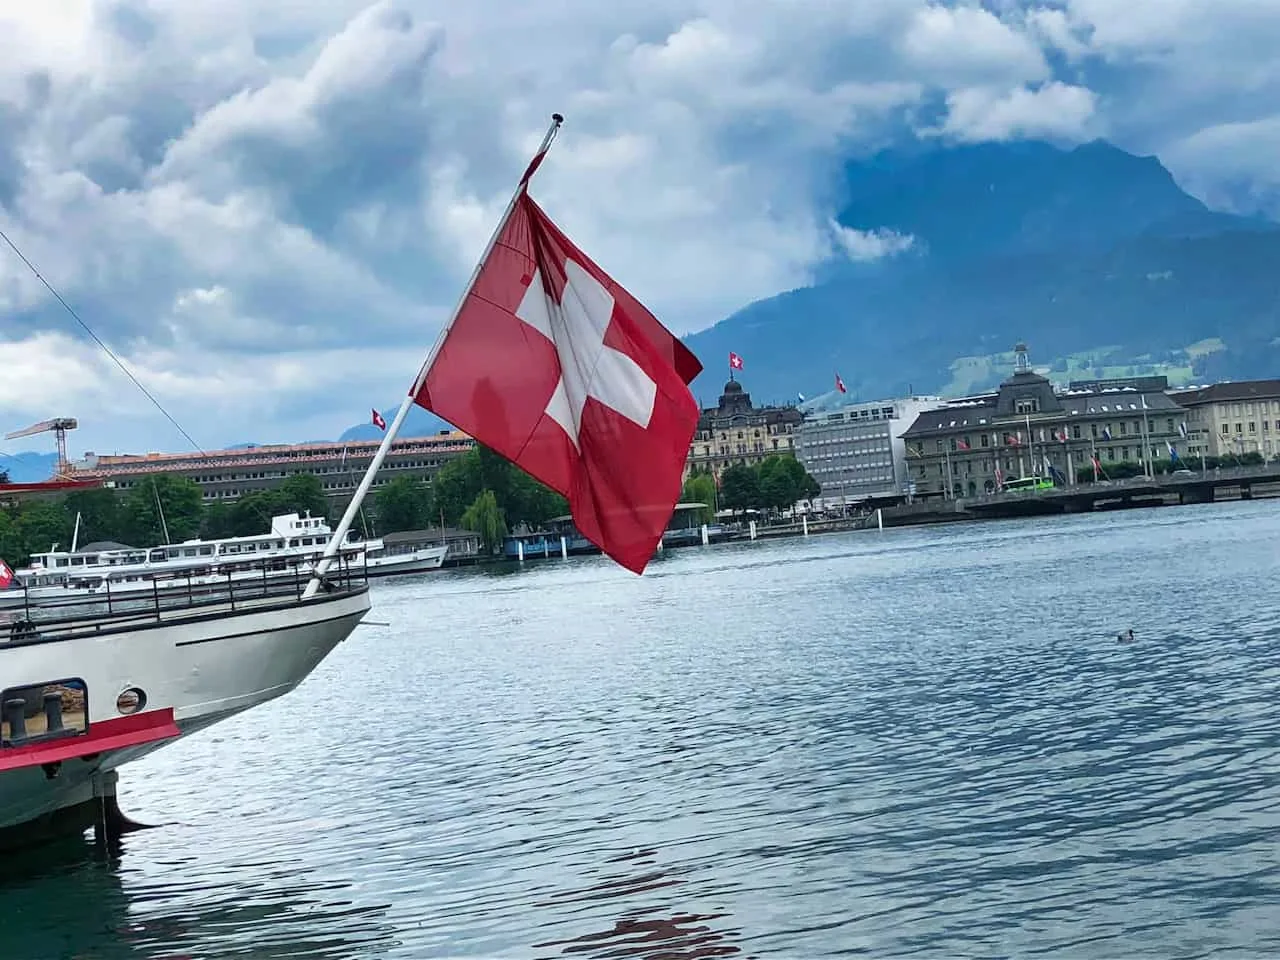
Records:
x=131, y=701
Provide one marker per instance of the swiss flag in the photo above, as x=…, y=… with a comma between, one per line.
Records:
x=6, y=575
x=840, y=384
x=555, y=366
x=378, y=421
x=735, y=361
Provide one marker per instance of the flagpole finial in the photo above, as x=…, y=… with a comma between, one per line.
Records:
x=557, y=118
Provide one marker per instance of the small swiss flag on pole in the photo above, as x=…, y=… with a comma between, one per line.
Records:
x=378, y=421
x=735, y=361
x=551, y=363
x=840, y=384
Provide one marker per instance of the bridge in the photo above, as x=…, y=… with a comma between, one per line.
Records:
x=1242, y=483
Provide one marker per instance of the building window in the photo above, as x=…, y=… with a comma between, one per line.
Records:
x=1075, y=432
x=986, y=441
x=1027, y=405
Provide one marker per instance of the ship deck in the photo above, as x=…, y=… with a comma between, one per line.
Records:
x=99, y=614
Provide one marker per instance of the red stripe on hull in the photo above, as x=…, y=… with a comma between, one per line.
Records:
x=103, y=737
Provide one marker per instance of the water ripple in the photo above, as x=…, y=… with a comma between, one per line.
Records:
x=922, y=743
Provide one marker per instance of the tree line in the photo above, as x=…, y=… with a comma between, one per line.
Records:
x=1123, y=469
x=479, y=490
x=777, y=483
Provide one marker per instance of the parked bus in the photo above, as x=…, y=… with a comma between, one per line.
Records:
x=1028, y=483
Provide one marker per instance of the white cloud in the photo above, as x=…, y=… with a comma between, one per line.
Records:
x=866, y=245
x=970, y=45
x=270, y=207
x=1054, y=111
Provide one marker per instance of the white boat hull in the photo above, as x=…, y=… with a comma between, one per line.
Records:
x=419, y=561
x=202, y=668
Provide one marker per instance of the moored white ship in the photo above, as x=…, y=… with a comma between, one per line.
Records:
x=195, y=566
x=86, y=692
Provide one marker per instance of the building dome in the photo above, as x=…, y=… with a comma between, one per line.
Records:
x=733, y=386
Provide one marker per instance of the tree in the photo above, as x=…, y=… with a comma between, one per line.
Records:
x=4, y=476
x=403, y=504
x=301, y=493
x=100, y=512
x=456, y=486
x=739, y=488
x=36, y=527
x=484, y=516
x=521, y=498
x=217, y=522
x=701, y=488
x=529, y=501
x=778, y=485
x=143, y=523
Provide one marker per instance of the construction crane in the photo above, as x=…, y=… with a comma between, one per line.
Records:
x=59, y=427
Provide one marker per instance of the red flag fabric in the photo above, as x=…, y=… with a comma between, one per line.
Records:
x=555, y=366
x=840, y=384
x=735, y=361
x=6, y=575
x=378, y=421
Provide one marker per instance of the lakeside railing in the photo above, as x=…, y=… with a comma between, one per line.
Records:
x=36, y=621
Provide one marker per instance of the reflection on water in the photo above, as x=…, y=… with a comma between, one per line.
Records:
x=915, y=743
x=68, y=901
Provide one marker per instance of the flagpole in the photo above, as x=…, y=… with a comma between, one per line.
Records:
x=393, y=428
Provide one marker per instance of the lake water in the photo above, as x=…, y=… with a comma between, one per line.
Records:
x=922, y=742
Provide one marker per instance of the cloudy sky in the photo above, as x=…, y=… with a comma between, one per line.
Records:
x=266, y=208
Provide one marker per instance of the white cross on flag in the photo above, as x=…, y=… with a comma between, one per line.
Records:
x=556, y=367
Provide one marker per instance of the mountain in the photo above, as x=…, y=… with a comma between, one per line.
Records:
x=1094, y=256
x=419, y=423
x=28, y=467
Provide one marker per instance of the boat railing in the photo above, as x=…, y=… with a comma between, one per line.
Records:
x=36, y=621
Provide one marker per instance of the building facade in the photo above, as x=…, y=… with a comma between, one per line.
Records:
x=1026, y=428
x=230, y=474
x=857, y=452
x=737, y=432
x=1232, y=419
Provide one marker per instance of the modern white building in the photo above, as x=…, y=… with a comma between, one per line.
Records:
x=856, y=451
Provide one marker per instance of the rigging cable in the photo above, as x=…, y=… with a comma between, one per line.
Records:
x=107, y=350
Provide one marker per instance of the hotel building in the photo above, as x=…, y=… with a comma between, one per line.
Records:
x=1027, y=428
x=736, y=431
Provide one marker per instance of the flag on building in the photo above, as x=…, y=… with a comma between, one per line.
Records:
x=1061, y=435
x=801, y=396
x=735, y=361
x=1013, y=439
x=1182, y=429
x=1097, y=467
x=378, y=421
x=840, y=384
x=962, y=445
x=1106, y=434
x=555, y=366
x=1173, y=452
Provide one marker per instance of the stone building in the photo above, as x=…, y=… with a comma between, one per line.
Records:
x=1028, y=429
x=1228, y=419
x=856, y=452
x=736, y=431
